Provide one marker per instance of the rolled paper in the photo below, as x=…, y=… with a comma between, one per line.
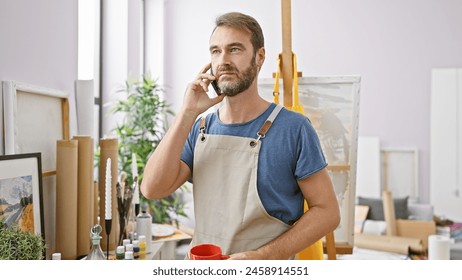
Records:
x=389, y=213
x=394, y=244
x=66, y=198
x=86, y=193
x=108, y=197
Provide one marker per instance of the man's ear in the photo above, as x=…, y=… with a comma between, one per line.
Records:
x=260, y=57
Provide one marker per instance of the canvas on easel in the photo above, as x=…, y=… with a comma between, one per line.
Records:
x=332, y=106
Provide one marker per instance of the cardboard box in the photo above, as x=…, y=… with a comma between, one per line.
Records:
x=416, y=229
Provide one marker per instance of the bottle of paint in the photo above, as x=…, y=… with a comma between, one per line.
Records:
x=128, y=255
x=56, y=256
x=142, y=240
x=144, y=226
x=136, y=249
x=120, y=252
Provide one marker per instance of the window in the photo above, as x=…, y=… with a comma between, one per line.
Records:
x=89, y=54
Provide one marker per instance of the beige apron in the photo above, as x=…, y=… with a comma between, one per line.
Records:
x=228, y=210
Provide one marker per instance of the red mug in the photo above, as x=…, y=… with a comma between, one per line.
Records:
x=206, y=252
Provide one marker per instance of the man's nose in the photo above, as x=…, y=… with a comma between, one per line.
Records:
x=222, y=59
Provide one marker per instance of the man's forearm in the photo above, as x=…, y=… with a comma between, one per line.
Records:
x=311, y=227
x=163, y=167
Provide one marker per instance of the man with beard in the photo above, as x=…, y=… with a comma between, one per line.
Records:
x=252, y=163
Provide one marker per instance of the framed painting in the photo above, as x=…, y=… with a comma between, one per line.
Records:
x=21, y=201
x=331, y=103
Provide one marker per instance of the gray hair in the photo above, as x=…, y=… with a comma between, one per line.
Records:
x=243, y=22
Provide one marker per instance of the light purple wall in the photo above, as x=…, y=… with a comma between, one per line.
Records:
x=392, y=44
x=38, y=44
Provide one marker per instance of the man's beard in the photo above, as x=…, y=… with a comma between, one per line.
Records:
x=244, y=79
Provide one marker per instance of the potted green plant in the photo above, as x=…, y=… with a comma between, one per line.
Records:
x=145, y=121
x=20, y=245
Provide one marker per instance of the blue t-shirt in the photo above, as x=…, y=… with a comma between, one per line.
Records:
x=290, y=151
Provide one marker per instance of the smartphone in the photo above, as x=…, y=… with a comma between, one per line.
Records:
x=215, y=84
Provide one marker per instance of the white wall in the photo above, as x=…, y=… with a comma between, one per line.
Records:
x=38, y=44
x=392, y=44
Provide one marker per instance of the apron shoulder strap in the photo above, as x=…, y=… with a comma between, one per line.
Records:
x=269, y=121
x=261, y=133
x=202, y=128
x=202, y=124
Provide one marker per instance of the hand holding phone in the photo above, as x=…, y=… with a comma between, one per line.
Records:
x=215, y=83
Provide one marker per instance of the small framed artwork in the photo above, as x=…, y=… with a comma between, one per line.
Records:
x=21, y=203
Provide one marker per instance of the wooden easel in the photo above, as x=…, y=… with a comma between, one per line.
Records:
x=287, y=78
x=286, y=57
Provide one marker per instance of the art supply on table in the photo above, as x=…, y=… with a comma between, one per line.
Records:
x=136, y=249
x=144, y=226
x=122, y=221
x=120, y=252
x=124, y=205
x=142, y=244
x=95, y=253
x=129, y=248
x=136, y=195
x=161, y=231
x=125, y=242
x=128, y=255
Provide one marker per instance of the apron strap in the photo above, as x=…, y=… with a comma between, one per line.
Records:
x=202, y=125
x=202, y=129
x=266, y=126
x=260, y=134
